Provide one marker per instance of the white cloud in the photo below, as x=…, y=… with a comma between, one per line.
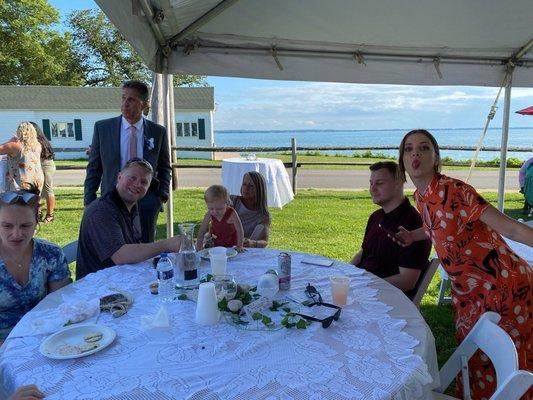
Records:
x=318, y=105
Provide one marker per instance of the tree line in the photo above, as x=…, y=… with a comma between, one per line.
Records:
x=36, y=49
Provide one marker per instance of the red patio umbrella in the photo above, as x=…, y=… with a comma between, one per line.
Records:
x=526, y=111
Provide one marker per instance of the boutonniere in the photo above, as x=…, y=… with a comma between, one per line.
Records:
x=149, y=143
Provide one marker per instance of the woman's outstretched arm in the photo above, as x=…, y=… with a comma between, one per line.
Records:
x=506, y=226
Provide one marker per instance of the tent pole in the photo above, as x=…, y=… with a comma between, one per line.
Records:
x=505, y=137
x=167, y=89
x=172, y=133
x=156, y=99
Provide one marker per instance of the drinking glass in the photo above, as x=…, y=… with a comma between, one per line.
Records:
x=268, y=285
x=219, y=260
x=225, y=286
x=339, y=289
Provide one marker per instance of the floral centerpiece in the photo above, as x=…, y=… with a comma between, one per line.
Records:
x=276, y=314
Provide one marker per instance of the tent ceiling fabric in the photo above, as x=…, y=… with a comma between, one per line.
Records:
x=425, y=42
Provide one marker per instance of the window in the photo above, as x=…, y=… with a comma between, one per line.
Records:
x=187, y=129
x=63, y=130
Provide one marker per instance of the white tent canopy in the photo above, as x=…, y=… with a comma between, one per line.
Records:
x=411, y=42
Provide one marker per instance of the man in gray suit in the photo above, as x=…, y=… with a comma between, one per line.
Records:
x=117, y=140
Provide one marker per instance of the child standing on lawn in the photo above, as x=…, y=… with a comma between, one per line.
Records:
x=221, y=225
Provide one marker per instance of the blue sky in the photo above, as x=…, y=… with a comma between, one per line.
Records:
x=283, y=105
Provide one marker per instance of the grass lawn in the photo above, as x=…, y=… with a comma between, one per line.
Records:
x=285, y=157
x=331, y=223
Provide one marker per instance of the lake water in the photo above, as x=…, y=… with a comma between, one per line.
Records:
x=518, y=137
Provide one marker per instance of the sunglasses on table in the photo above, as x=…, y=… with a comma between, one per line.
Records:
x=313, y=293
x=19, y=197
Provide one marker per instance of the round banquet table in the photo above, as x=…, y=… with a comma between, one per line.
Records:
x=380, y=348
x=279, y=190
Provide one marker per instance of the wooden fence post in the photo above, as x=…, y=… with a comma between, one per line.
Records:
x=294, y=164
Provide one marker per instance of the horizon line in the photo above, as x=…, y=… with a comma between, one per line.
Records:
x=357, y=130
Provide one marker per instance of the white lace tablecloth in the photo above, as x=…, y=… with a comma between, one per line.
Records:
x=380, y=348
x=279, y=189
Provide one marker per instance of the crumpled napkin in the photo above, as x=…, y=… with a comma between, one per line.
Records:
x=72, y=313
x=158, y=320
x=52, y=320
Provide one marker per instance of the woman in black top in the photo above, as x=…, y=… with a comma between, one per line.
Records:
x=49, y=168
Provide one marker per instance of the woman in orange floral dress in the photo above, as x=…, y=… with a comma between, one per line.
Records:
x=486, y=274
x=24, y=159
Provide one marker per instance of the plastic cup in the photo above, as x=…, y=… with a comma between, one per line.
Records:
x=219, y=260
x=218, y=264
x=207, y=312
x=340, y=285
x=219, y=250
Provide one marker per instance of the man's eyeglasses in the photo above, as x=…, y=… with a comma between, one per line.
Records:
x=19, y=197
x=313, y=294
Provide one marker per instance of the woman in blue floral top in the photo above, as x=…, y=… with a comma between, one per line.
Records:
x=30, y=268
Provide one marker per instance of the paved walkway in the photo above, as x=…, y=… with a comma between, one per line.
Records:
x=483, y=180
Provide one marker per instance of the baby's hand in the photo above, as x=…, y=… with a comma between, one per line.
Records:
x=209, y=240
x=240, y=249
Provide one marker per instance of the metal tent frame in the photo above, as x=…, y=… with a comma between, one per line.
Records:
x=414, y=42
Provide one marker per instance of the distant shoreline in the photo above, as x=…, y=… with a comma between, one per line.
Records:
x=356, y=130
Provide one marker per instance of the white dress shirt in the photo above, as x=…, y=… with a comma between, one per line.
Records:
x=125, y=140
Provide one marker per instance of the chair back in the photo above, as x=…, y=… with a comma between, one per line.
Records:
x=71, y=251
x=424, y=280
x=499, y=347
x=444, y=284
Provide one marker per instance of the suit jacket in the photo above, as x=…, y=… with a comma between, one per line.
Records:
x=104, y=159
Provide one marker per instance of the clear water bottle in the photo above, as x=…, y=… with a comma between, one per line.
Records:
x=165, y=276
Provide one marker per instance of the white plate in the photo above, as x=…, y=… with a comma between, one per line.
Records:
x=62, y=345
x=230, y=252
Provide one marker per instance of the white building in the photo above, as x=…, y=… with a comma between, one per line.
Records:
x=67, y=114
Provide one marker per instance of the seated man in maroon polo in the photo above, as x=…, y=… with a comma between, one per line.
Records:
x=400, y=266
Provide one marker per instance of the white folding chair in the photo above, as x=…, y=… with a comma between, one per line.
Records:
x=444, y=284
x=71, y=251
x=424, y=281
x=511, y=383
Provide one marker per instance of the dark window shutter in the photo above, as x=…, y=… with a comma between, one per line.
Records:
x=46, y=128
x=201, y=129
x=77, y=129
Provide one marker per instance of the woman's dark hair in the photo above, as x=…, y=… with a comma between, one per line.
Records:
x=47, y=153
x=260, y=191
x=431, y=139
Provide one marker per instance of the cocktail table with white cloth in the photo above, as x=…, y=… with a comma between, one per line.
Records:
x=380, y=348
x=279, y=190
